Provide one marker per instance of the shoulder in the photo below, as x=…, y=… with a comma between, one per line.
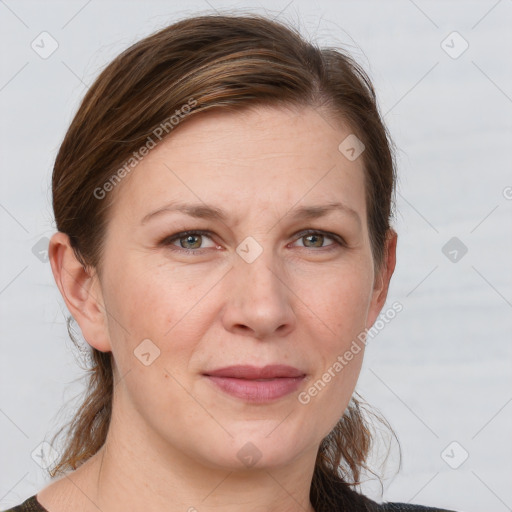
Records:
x=29, y=505
x=408, y=507
x=347, y=498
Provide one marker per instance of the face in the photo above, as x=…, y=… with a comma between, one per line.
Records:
x=257, y=281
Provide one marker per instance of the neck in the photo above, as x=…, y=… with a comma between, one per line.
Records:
x=130, y=473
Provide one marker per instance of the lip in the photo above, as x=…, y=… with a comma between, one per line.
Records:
x=254, y=384
x=247, y=371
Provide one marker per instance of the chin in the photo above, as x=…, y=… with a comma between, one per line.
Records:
x=256, y=451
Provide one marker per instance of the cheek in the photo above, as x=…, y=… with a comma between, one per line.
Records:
x=337, y=308
x=155, y=297
x=160, y=304
x=339, y=299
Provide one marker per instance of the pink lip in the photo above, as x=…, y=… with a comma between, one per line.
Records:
x=247, y=371
x=242, y=381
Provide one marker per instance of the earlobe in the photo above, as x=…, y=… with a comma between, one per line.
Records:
x=80, y=290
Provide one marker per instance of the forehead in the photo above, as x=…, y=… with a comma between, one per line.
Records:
x=258, y=158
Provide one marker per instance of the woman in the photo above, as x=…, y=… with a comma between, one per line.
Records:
x=222, y=199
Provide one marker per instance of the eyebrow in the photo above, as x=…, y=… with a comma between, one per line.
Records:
x=205, y=211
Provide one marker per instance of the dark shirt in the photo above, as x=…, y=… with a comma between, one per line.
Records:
x=32, y=505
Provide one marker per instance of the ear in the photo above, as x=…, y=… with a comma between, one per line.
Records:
x=382, y=278
x=80, y=289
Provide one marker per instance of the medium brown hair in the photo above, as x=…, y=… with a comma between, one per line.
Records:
x=228, y=62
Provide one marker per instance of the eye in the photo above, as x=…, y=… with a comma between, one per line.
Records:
x=188, y=240
x=192, y=241
x=316, y=239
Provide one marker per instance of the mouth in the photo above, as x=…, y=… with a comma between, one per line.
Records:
x=257, y=385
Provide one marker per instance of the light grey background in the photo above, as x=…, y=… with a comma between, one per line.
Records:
x=441, y=371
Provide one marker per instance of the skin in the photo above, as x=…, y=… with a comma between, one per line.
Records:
x=174, y=437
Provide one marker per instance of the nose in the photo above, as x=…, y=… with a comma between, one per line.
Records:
x=259, y=299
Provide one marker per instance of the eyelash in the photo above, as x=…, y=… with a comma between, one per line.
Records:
x=167, y=241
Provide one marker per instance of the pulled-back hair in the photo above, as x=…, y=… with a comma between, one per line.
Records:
x=228, y=62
